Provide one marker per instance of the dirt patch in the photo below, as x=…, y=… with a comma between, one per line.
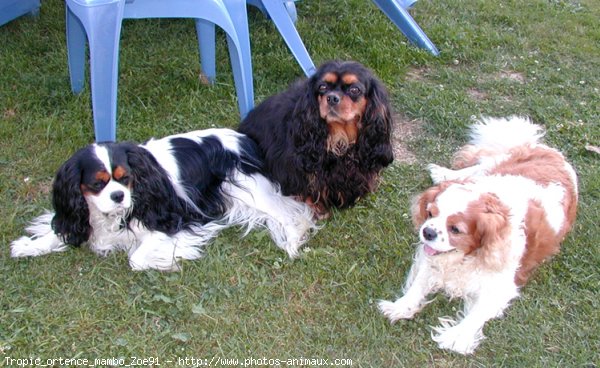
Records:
x=477, y=95
x=34, y=189
x=404, y=131
x=417, y=74
x=511, y=75
x=10, y=113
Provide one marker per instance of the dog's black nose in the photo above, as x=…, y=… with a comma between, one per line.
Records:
x=117, y=196
x=333, y=100
x=429, y=233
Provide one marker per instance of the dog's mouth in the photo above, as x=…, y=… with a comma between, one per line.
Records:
x=434, y=252
x=335, y=117
x=117, y=212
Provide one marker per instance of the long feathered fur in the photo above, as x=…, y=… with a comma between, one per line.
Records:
x=293, y=138
x=184, y=189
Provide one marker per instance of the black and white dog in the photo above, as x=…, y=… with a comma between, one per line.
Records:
x=163, y=200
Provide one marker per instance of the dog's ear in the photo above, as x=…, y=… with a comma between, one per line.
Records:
x=375, y=149
x=308, y=130
x=71, y=219
x=492, y=230
x=420, y=203
x=155, y=202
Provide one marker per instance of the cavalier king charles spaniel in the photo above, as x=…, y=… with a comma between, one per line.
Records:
x=500, y=212
x=326, y=139
x=163, y=200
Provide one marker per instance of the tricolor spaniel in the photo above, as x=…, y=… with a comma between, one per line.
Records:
x=500, y=212
x=325, y=139
x=163, y=200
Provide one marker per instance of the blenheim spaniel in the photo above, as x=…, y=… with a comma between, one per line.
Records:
x=503, y=209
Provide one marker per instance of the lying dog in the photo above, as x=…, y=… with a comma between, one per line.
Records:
x=486, y=225
x=163, y=200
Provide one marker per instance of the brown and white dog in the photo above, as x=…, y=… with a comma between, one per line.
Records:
x=500, y=212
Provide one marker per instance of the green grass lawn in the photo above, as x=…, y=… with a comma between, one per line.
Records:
x=245, y=299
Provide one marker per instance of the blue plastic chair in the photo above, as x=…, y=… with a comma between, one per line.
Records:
x=396, y=10
x=11, y=9
x=100, y=21
x=283, y=14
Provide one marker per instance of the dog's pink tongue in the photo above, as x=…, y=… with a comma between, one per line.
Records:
x=430, y=251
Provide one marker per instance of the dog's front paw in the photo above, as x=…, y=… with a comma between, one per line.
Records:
x=22, y=248
x=32, y=247
x=397, y=310
x=438, y=173
x=292, y=247
x=456, y=337
x=145, y=259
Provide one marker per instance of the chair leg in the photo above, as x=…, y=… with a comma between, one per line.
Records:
x=206, y=41
x=290, y=6
x=407, y=4
x=104, y=71
x=76, y=41
x=403, y=20
x=240, y=55
x=103, y=27
x=241, y=78
x=284, y=23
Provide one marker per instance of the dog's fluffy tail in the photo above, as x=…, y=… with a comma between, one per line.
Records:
x=42, y=241
x=505, y=133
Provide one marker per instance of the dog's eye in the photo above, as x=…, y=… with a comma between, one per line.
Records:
x=429, y=214
x=323, y=87
x=454, y=229
x=125, y=180
x=97, y=186
x=354, y=91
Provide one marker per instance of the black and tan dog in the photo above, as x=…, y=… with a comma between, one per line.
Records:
x=326, y=139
